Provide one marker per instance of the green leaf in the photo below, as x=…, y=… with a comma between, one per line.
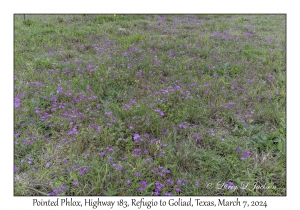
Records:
x=280, y=146
x=278, y=139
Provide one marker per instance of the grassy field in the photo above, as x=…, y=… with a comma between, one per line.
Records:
x=149, y=105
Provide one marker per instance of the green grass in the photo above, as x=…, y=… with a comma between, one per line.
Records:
x=200, y=90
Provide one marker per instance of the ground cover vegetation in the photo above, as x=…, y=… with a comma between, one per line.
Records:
x=149, y=105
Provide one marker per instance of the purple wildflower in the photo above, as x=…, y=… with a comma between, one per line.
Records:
x=51, y=194
x=110, y=149
x=60, y=90
x=137, y=150
x=183, y=125
x=136, y=136
x=198, y=138
x=180, y=182
x=119, y=167
x=56, y=191
x=160, y=112
x=139, y=73
x=229, y=185
x=137, y=174
x=143, y=183
x=177, y=189
x=132, y=101
x=170, y=181
x=154, y=169
x=247, y=153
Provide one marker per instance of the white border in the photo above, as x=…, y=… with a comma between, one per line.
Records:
x=29, y=6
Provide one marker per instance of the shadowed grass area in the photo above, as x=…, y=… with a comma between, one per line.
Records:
x=150, y=105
